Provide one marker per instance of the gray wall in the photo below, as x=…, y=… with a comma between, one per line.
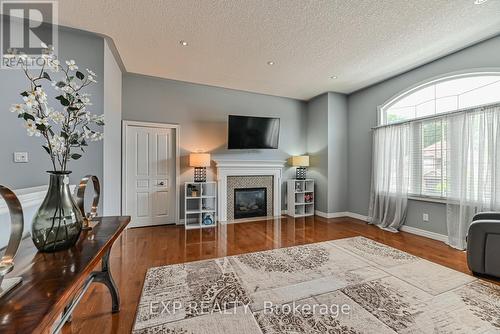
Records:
x=362, y=107
x=337, y=153
x=317, y=147
x=202, y=113
x=327, y=147
x=87, y=50
x=112, y=159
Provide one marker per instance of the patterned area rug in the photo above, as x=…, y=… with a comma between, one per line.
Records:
x=353, y=285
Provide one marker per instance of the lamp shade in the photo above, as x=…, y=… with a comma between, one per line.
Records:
x=199, y=160
x=300, y=161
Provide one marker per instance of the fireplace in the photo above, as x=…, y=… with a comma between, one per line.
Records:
x=238, y=174
x=250, y=202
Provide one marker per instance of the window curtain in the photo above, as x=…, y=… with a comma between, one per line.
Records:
x=390, y=176
x=473, y=169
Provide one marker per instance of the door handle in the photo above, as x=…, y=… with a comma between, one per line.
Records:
x=161, y=183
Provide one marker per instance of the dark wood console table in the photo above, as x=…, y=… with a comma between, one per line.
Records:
x=53, y=283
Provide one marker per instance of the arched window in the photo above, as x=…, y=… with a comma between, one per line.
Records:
x=441, y=96
x=422, y=106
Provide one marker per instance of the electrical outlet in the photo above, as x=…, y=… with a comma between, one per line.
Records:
x=21, y=157
x=425, y=217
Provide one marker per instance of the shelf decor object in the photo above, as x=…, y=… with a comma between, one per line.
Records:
x=16, y=234
x=66, y=128
x=300, y=197
x=200, y=204
x=301, y=162
x=200, y=162
x=80, y=199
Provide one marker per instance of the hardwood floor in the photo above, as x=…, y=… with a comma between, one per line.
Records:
x=142, y=248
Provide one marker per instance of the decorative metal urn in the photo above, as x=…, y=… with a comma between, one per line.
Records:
x=80, y=199
x=16, y=234
x=58, y=222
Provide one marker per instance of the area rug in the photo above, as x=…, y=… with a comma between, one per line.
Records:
x=352, y=285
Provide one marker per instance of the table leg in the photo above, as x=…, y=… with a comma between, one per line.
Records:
x=104, y=277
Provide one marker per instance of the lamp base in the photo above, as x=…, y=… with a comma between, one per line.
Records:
x=200, y=174
x=300, y=173
x=9, y=284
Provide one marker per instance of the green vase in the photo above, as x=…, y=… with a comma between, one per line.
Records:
x=58, y=222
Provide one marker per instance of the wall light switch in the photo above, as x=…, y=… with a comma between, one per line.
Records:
x=21, y=157
x=425, y=217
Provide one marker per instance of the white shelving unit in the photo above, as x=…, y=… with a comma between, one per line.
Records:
x=300, y=198
x=200, y=201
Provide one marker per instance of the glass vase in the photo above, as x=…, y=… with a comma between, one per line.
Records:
x=58, y=222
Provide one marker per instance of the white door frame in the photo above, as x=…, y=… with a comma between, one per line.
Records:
x=176, y=127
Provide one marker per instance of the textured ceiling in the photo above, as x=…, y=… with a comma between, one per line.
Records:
x=231, y=41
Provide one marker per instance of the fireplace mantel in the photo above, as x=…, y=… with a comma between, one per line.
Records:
x=226, y=168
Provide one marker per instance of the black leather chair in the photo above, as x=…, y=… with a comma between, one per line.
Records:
x=483, y=244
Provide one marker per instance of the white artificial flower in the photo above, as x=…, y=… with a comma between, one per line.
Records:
x=30, y=101
x=54, y=65
x=17, y=108
x=42, y=121
x=96, y=136
x=72, y=65
x=31, y=128
x=58, y=145
x=42, y=97
x=56, y=117
x=91, y=73
x=86, y=100
x=91, y=79
x=98, y=118
x=67, y=89
x=74, y=85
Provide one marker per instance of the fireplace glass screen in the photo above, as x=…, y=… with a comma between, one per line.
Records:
x=250, y=202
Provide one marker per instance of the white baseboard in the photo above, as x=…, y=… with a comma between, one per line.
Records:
x=424, y=233
x=404, y=228
x=357, y=216
x=341, y=214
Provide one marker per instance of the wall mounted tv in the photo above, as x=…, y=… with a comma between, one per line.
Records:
x=245, y=132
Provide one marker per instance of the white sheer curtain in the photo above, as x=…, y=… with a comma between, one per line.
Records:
x=390, y=176
x=473, y=168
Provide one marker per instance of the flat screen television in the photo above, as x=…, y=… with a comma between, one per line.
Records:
x=245, y=132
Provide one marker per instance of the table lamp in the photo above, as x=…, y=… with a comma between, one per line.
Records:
x=200, y=162
x=301, y=162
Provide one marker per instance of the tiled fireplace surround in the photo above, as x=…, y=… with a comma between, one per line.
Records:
x=233, y=174
x=255, y=181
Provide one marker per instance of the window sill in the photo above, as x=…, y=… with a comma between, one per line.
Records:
x=439, y=200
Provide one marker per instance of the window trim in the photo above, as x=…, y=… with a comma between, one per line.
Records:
x=381, y=109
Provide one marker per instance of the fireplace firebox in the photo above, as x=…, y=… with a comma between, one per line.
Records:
x=250, y=202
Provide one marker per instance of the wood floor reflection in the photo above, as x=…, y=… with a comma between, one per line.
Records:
x=142, y=248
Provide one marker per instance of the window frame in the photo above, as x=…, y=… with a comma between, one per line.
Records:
x=382, y=110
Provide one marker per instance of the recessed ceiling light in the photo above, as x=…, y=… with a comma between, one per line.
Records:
x=333, y=77
x=479, y=2
x=183, y=43
x=270, y=62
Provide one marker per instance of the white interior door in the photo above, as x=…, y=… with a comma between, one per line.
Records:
x=150, y=176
